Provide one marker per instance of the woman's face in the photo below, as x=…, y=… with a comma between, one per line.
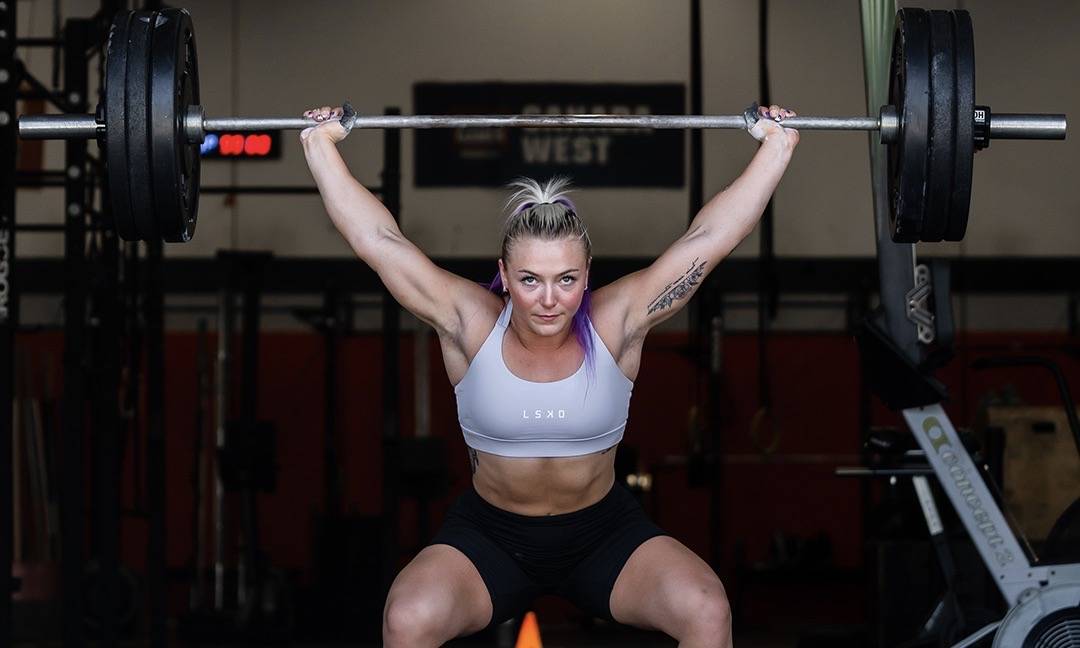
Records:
x=546, y=280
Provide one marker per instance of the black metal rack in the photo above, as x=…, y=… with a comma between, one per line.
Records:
x=9, y=302
x=113, y=301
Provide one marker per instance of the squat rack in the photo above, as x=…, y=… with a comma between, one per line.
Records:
x=101, y=288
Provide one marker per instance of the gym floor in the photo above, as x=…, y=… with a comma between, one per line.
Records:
x=557, y=637
x=552, y=638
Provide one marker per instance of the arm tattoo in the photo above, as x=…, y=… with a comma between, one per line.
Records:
x=474, y=460
x=679, y=288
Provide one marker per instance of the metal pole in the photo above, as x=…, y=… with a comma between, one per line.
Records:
x=252, y=267
x=391, y=371
x=104, y=372
x=767, y=298
x=157, y=541
x=221, y=417
x=677, y=122
x=9, y=320
x=75, y=295
x=85, y=126
x=333, y=332
x=697, y=155
x=1029, y=127
x=199, y=473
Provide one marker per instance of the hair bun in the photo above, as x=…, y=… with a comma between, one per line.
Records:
x=530, y=193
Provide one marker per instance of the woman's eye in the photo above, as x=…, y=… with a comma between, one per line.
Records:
x=528, y=280
x=568, y=280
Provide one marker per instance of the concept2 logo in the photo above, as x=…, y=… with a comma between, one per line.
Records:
x=958, y=472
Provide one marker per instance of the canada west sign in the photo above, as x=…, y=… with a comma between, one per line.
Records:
x=490, y=157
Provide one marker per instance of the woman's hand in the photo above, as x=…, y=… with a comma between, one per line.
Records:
x=769, y=126
x=329, y=126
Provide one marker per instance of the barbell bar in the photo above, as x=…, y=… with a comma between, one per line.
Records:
x=1002, y=125
x=152, y=123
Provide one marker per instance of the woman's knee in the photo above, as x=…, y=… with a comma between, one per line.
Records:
x=412, y=621
x=437, y=597
x=706, y=611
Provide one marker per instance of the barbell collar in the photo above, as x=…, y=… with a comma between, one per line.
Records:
x=195, y=125
x=889, y=119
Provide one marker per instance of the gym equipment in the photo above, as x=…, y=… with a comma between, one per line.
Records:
x=1044, y=599
x=1043, y=596
x=253, y=601
x=151, y=124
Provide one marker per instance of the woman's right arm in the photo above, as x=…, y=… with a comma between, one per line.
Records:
x=436, y=296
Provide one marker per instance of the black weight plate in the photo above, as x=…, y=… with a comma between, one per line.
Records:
x=174, y=86
x=116, y=162
x=964, y=53
x=138, y=124
x=941, y=157
x=909, y=91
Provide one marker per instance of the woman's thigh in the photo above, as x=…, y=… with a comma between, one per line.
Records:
x=665, y=586
x=438, y=594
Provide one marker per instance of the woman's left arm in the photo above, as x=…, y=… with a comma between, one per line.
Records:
x=652, y=295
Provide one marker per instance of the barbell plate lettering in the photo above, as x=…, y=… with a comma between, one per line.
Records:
x=964, y=53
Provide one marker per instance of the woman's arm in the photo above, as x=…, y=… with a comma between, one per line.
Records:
x=650, y=296
x=436, y=296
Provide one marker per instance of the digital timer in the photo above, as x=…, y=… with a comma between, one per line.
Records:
x=260, y=145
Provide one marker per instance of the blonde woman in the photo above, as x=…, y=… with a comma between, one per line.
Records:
x=543, y=370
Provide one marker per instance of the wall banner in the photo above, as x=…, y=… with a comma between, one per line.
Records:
x=491, y=157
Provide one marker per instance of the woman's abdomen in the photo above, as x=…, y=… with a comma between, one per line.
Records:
x=544, y=486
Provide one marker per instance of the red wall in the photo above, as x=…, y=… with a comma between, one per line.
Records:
x=815, y=398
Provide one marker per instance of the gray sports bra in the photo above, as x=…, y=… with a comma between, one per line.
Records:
x=505, y=415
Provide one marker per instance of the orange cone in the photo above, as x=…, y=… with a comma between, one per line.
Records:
x=529, y=635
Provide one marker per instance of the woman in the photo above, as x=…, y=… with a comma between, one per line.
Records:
x=543, y=372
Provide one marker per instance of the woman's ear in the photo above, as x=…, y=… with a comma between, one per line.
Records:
x=505, y=279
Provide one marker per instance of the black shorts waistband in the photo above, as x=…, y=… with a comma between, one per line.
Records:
x=613, y=497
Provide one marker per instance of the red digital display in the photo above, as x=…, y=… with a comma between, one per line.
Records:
x=242, y=146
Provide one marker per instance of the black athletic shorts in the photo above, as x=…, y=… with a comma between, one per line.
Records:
x=575, y=555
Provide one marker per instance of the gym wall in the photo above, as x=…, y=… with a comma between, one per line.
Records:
x=279, y=57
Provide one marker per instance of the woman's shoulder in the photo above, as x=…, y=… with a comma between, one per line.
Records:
x=608, y=320
x=478, y=325
x=478, y=320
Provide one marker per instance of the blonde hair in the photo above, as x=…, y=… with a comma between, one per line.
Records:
x=544, y=212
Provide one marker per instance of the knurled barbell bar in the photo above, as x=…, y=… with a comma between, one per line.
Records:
x=151, y=124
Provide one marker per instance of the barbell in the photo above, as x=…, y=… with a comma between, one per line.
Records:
x=151, y=124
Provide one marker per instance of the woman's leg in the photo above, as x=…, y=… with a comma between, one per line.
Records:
x=665, y=586
x=438, y=596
